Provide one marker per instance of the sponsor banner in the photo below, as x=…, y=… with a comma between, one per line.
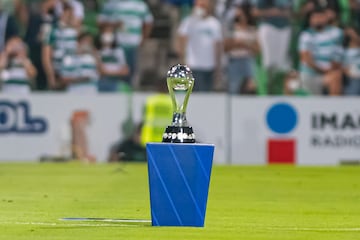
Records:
x=304, y=131
x=39, y=125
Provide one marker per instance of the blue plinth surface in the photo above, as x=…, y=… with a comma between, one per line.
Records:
x=179, y=177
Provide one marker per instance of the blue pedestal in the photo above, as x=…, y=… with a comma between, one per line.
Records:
x=179, y=177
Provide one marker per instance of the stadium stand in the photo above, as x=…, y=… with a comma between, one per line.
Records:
x=38, y=22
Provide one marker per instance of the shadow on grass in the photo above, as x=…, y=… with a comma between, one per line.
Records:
x=105, y=222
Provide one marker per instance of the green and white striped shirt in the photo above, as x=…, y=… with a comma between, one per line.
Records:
x=80, y=66
x=325, y=47
x=132, y=14
x=63, y=41
x=15, y=73
x=113, y=59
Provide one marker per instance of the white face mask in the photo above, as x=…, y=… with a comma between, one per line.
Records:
x=293, y=84
x=107, y=38
x=86, y=48
x=62, y=24
x=199, y=12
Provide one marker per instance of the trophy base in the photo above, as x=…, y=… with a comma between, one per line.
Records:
x=179, y=135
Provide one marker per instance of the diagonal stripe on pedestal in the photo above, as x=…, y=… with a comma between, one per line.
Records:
x=179, y=176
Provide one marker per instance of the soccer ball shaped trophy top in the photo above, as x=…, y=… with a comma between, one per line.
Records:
x=180, y=82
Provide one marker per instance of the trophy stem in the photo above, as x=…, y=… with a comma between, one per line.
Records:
x=179, y=120
x=180, y=84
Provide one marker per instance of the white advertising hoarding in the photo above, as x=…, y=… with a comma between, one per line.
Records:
x=305, y=131
x=39, y=125
x=308, y=131
x=107, y=113
x=207, y=114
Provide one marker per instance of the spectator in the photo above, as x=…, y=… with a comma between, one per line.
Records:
x=352, y=63
x=129, y=149
x=337, y=32
x=355, y=11
x=333, y=20
x=274, y=37
x=229, y=11
x=242, y=47
x=133, y=21
x=8, y=27
x=113, y=62
x=157, y=114
x=308, y=6
x=319, y=55
x=78, y=11
x=80, y=71
x=17, y=71
x=200, y=45
x=37, y=24
x=61, y=41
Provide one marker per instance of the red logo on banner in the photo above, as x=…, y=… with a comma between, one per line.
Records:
x=282, y=119
x=281, y=151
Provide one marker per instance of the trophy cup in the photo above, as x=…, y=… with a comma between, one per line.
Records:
x=179, y=174
x=180, y=82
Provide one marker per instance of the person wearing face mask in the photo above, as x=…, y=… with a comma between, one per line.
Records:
x=200, y=45
x=113, y=66
x=60, y=41
x=16, y=70
x=80, y=71
x=78, y=11
x=133, y=21
x=320, y=56
x=242, y=47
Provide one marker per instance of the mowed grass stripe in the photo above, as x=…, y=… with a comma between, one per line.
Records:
x=279, y=202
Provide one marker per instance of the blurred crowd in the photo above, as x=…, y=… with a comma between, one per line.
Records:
x=290, y=47
x=296, y=47
x=45, y=46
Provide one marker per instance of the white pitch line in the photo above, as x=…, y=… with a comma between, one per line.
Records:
x=125, y=221
x=105, y=220
x=307, y=229
x=69, y=224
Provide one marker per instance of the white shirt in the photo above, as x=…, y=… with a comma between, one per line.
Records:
x=202, y=35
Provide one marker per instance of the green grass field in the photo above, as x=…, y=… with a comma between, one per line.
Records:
x=244, y=203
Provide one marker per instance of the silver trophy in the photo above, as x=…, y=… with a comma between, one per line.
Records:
x=180, y=82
